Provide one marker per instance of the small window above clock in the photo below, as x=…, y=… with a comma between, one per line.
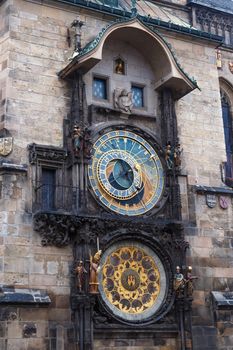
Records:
x=138, y=96
x=100, y=88
x=119, y=66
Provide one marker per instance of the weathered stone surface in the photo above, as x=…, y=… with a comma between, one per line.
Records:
x=33, y=106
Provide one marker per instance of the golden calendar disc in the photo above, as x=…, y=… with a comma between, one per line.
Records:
x=132, y=281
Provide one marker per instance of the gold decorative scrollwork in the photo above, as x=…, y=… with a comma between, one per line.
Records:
x=131, y=280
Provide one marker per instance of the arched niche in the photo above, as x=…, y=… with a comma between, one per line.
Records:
x=167, y=72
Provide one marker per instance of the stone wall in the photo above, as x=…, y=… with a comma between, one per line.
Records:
x=4, y=56
x=199, y=116
x=37, y=100
x=34, y=103
x=24, y=263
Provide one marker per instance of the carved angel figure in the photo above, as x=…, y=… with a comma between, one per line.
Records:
x=123, y=100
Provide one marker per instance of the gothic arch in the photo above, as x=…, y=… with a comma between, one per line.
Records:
x=226, y=91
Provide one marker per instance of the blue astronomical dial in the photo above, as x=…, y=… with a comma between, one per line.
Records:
x=126, y=173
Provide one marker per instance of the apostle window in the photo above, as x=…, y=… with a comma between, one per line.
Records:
x=48, y=188
x=100, y=88
x=138, y=96
x=119, y=66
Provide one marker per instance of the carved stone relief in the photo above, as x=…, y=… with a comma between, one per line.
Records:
x=123, y=100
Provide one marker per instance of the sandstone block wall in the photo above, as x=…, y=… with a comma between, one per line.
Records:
x=33, y=105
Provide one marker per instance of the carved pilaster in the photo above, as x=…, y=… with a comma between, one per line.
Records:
x=170, y=142
x=82, y=307
x=169, y=121
x=184, y=319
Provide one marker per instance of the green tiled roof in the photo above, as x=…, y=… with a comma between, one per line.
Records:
x=156, y=15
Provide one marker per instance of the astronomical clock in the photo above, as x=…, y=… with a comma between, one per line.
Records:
x=127, y=178
x=126, y=173
x=117, y=198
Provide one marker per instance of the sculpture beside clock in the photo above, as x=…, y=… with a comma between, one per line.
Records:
x=126, y=173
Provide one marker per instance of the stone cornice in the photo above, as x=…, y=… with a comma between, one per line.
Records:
x=212, y=190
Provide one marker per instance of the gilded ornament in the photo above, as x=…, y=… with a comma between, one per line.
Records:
x=119, y=66
x=218, y=59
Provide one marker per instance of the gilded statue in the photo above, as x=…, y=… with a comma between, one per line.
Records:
x=120, y=66
x=218, y=59
x=94, y=270
x=179, y=282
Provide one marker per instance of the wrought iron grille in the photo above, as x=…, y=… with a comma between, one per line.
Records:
x=50, y=197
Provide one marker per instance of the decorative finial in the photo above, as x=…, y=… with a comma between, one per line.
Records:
x=134, y=10
x=77, y=24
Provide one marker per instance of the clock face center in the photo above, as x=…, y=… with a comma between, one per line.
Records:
x=122, y=174
x=130, y=279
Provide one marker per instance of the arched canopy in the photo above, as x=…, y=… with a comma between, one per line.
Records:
x=166, y=69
